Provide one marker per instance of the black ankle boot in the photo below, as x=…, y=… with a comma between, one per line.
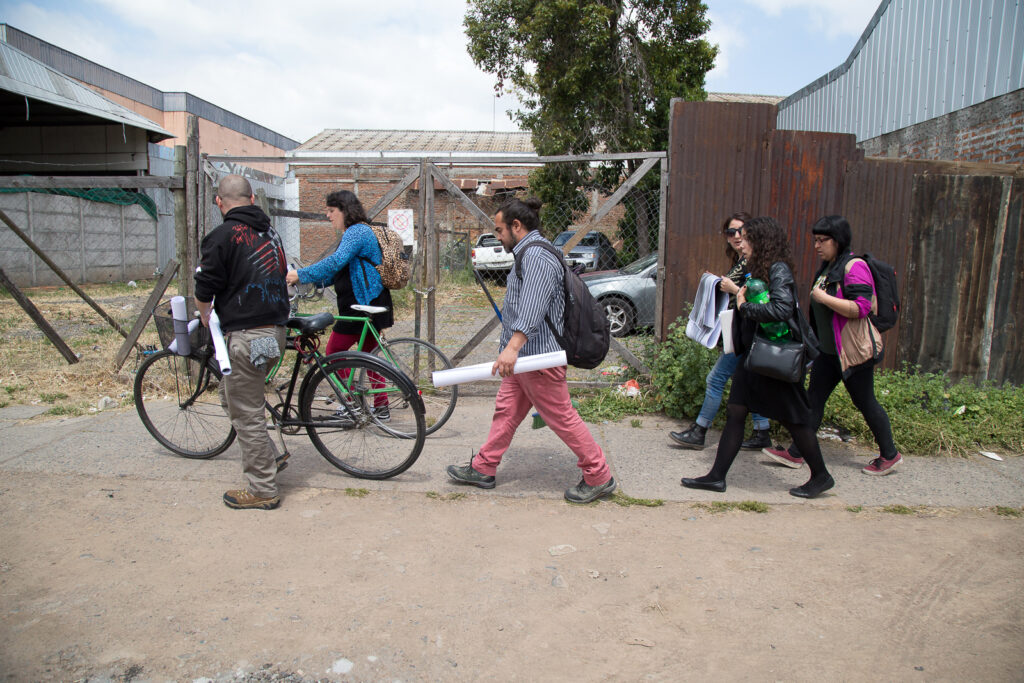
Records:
x=757, y=441
x=691, y=438
x=814, y=487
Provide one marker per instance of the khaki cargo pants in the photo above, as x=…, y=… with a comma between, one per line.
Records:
x=241, y=395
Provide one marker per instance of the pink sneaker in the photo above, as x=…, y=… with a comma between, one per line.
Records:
x=879, y=467
x=782, y=456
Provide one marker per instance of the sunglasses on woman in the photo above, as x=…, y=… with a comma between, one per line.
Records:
x=732, y=232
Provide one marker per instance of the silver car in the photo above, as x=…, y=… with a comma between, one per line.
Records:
x=628, y=294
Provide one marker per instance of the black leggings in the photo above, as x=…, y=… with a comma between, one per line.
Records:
x=826, y=373
x=732, y=437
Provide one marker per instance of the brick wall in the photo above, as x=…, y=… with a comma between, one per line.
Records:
x=992, y=131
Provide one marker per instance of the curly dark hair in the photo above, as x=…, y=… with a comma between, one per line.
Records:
x=769, y=244
x=350, y=205
x=742, y=217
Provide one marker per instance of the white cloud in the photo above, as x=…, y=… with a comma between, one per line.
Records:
x=296, y=67
x=834, y=18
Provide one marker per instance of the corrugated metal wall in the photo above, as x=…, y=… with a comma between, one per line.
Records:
x=952, y=231
x=917, y=59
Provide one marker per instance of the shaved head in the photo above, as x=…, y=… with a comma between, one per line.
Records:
x=234, y=190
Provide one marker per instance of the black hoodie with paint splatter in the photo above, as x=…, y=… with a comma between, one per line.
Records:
x=241, y=269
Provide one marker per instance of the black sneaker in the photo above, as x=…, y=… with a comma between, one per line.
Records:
x=757, y=441
x=691, y=438
x=381, y=413
x=584, y=493
x=465, y=474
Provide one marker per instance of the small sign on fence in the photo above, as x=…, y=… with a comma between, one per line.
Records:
x=401, y=221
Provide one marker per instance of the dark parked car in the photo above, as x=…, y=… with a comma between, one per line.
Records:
x=628, y=295
x=594, y=251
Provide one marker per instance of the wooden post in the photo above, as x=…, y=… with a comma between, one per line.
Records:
x=430, y=253
x=39, y=320
x=147, y=311
x=180, y=222
x=191, y=205
x=60, y=273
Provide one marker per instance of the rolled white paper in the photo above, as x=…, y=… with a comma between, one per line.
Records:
x=179, y=318
x=173, y=346
x=474, y=373
x=220, y=349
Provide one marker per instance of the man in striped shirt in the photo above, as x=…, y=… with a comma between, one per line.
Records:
x=532, y=296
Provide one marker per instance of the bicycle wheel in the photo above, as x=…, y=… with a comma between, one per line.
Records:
x=366, y=418
x=418, y=359
x=178, y=400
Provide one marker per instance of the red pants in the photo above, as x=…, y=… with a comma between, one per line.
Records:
x=548, y=392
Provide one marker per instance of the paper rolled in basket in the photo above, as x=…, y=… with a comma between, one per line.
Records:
x=179, y=318
x=220, y=349
x=173, y=346
x=474, y=373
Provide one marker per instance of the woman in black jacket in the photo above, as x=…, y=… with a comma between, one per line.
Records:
x=768, y=256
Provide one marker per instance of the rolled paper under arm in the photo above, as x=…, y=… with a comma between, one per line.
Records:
x=220, y=349
x=474, y=373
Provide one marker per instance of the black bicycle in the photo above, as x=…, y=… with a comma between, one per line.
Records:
x=362, y=414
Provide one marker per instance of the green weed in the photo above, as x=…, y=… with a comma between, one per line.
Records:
x=636, y=424
x=678, y=369
x=52, y=397
x=446, y=496
x=66, y=411
x=854, y=508
x=725, y=506
x=622, y=499
x=1004, y=511
x=898, y=510
x=12, y=389
x=357, y=493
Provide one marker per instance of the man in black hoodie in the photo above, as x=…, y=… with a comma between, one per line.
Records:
x=241, y=276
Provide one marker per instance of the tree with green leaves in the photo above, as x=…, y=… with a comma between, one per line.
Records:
x=593, y=75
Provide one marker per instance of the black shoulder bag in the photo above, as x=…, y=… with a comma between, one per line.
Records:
x=785, y=360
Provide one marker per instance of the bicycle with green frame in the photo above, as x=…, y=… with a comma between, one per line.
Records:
x=362, y=414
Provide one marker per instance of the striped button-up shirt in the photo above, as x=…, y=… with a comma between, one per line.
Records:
x=539, y=293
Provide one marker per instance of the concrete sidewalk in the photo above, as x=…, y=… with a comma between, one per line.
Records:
x=538, y=464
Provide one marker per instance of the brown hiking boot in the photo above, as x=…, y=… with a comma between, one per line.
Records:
x=243, y=499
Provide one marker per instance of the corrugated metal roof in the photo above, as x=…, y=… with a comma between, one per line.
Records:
x=442, y=141
x=916, y=60
x=740, y=97
x=28, y=77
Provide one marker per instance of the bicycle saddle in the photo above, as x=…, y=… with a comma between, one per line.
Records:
x=312, y=323
x=368, y=309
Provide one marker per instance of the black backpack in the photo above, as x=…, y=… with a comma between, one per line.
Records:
x=887, y=290
x=586, y=329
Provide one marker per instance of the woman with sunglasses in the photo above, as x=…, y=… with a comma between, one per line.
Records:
x=726, y=363
x=767, y=250
x=841, y=299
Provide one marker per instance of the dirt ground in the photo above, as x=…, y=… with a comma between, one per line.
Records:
x=128, y=578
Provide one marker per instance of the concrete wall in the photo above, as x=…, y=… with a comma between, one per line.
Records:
x=90, y=241
x=992, y=131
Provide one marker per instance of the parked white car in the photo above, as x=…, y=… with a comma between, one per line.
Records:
x=489, y=256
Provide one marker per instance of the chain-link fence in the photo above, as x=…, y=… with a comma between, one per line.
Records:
x=608, y=223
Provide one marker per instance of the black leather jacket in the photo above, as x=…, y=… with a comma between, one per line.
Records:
x=781, y=306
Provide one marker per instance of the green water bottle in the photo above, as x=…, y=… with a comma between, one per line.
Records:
x=757, y=293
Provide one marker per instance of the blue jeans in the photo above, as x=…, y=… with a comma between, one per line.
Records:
x=716, y=380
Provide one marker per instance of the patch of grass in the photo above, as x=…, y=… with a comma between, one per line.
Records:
x=66, y=411
x=357, y=493
x=622, y=499
x=854, y=508
x=898, y=510
x=52, y=397
x=4, y=404
x=636, y=423
x=607, y=404
x=930, y=414
x=12, y=389
x=725, y=506
x=445, y=496
x=1004, y=511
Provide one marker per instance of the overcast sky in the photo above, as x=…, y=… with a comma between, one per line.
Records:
x=300, y=66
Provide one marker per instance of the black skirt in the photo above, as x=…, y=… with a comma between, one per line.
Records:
x=347, y=298
x=772, y=398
